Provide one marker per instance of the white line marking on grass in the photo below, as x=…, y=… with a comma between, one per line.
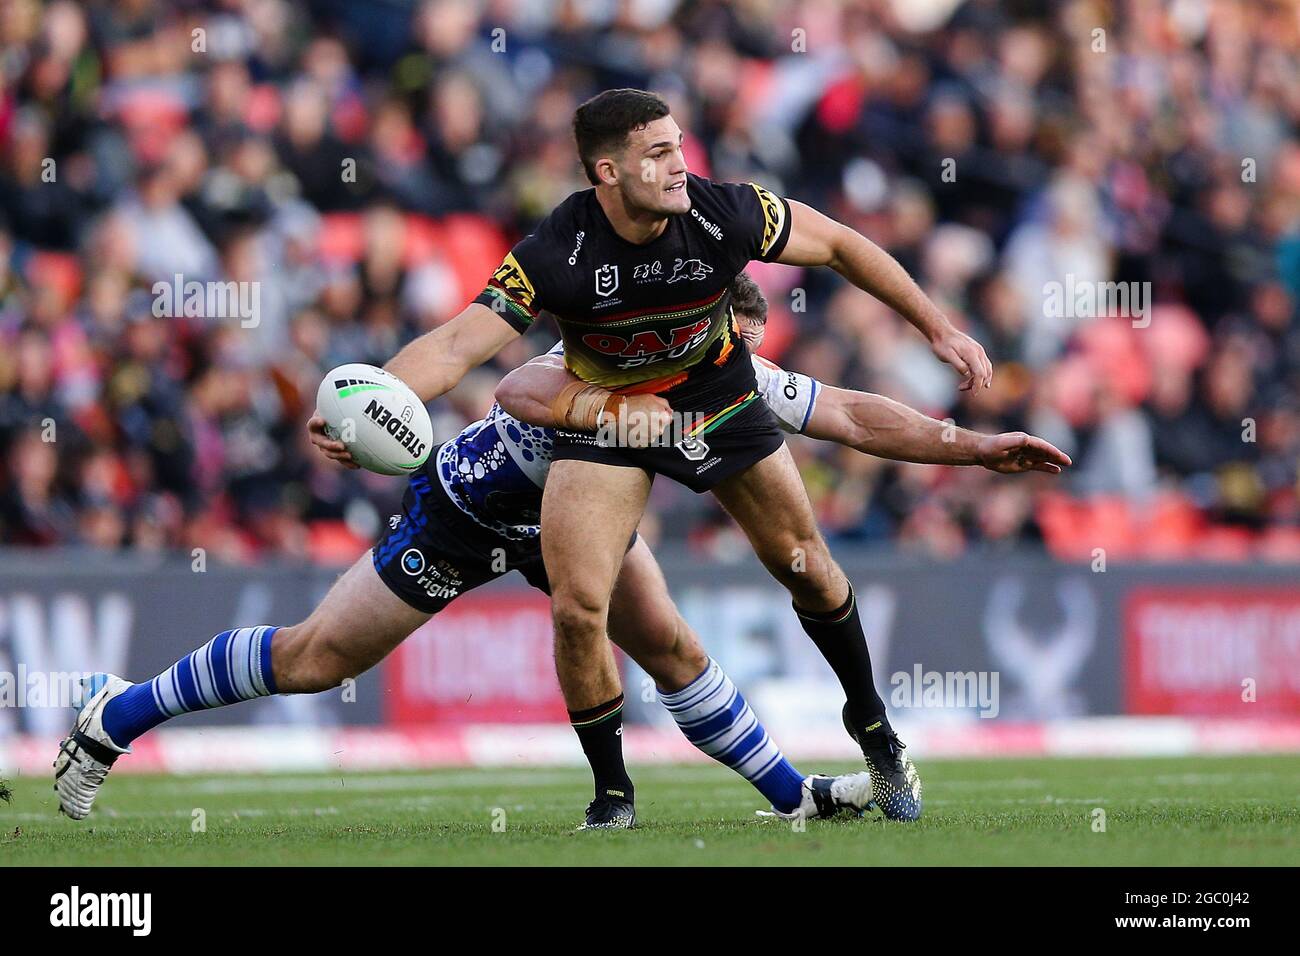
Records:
x=1228, y=779
x=1019, y=783
x=362, y=781
x=358, y=783
x=1124, y=801
x=105, y=815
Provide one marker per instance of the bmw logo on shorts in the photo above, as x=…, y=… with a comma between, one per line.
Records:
x=412, y=561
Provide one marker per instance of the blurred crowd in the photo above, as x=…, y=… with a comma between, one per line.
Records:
x=366, y=164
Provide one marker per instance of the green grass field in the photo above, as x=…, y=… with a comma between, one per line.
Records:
x=1158, y=812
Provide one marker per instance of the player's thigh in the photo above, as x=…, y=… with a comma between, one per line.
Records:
x=589, y=510
x=357, y=624
x=770, y=503
x=645, y=623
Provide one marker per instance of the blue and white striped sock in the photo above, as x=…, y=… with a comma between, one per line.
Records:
x=233, y=666
x=714, y=717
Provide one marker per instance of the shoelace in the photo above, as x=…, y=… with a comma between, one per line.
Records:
x=96, y=774
x=91, y=769
x=891, y=746
x=900, y=762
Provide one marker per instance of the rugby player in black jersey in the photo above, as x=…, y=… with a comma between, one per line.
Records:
x=637, y=272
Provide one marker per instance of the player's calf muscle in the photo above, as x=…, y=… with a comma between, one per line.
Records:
x=673, y=658
x=660, y=641
x=304, y=661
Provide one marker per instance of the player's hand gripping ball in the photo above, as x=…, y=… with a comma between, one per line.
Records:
x=383, y=424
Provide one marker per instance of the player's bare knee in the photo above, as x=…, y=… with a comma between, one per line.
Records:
x=801, y=558
x=795, y=558
x=805, y=568
x=578, y=614
x=824, y=591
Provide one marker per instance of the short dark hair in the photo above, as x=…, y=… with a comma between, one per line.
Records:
x=604, y=121
x=747, y=299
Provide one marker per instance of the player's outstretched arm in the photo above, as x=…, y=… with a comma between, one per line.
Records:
x=543, y=392
x=880, y=426
x=818, y=240
x=435, y=362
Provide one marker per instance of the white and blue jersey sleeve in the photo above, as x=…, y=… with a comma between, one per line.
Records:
x=791, y=396
x=495, y=468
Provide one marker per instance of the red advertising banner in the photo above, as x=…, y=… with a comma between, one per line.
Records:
x=1212, y=651
x=487, y=658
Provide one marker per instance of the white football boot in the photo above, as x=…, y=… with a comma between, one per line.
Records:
x=87, y=754
x=825, y=796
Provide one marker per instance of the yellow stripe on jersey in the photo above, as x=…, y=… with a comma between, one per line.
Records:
x=773, y=218
x=510, y=276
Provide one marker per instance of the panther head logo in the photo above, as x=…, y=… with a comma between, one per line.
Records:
x=689, y=269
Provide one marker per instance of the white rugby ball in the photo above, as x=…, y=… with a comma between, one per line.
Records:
x=376, y=415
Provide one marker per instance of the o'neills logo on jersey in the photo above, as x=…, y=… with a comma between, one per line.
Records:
x=712, y=228
x=577, y=247
x=646, y=347
x=395, y=426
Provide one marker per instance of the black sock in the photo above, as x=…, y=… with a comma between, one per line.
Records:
x=838, y=635
x=600, y=729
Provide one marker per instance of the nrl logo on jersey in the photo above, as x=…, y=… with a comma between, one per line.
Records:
x=689, y=269
x=606, y=280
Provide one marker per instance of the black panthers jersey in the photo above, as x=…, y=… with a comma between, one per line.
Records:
x=641, y=317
